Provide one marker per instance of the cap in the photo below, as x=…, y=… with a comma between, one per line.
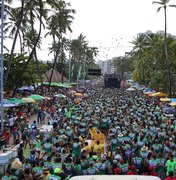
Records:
x=94, y=157
x=57, y=170
x=117, y=170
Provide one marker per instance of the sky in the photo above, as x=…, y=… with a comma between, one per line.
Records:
x=111, y=25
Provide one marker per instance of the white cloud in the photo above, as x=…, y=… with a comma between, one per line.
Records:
x=112, y=24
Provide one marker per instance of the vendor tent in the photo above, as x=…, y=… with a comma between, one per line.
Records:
x=56, y=77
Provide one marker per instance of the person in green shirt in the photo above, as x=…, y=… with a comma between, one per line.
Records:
x=57, y=163
x=48, y=164
x=170, y=165
x=92, y=170
x=55, y=176
x=38, y=169
x=38, y=144
x=78, y=167
x=84, y=164
x=6, y=176
x=76, y=147
x=47, y=147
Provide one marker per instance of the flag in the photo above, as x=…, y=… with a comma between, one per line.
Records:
x=68, y=114
x=72, y=68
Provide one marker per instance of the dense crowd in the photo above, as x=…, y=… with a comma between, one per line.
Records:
x=139, y=138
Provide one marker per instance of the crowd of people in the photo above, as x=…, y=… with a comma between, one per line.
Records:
x=139, y=138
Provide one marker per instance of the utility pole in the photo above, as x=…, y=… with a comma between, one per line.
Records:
x=2, y=67
x=69, y=65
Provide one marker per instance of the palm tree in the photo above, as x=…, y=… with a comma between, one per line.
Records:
x=163, y=5
x=33, y=48
x=21, y=13
x=58, y=24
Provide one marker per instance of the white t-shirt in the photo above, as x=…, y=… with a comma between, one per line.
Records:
x=11, y=121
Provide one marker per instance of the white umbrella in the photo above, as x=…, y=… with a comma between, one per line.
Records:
x=131, y=89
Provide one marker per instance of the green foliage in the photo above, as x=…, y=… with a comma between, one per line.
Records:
x=148, y=60
x=30, y=74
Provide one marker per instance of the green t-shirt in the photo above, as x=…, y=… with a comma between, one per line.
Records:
x=171, y=166
x=38, y=170
x=5, y=178
x=48, y=165
x=56, y=165
x=124, y=168
x=38, y=145
x=48, y=147
x=54, y=177
x=78, y=169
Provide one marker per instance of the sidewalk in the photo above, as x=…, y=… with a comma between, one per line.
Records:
x=31, y=119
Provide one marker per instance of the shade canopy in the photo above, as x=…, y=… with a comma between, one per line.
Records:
x=36, y=97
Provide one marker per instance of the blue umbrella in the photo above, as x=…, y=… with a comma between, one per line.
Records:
x=148, y=90
x=173, y=100
x=169, y=111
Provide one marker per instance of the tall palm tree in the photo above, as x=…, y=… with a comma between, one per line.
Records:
x=58, y=23
x=21, y=13
x=40, y=4
x=163, y=5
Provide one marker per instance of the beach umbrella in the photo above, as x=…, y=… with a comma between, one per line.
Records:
x=165, y=99
x=169, y=111
x=131, y=89
x=173, y=100
x=28, y=100
x=9, y=105
x=60, y=95
x=36, y=97
x=15, y=101
x=78, y=94
x=159, y=94
x=172, y=104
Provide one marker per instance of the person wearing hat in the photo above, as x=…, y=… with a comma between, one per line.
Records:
x=45, y=174
x=55, y=176
x=144, y=151
x=120, y=139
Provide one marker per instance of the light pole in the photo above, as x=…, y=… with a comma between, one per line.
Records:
x=2, y=67
x=69, y=61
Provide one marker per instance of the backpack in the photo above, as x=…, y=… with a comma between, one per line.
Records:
x=32, y=159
